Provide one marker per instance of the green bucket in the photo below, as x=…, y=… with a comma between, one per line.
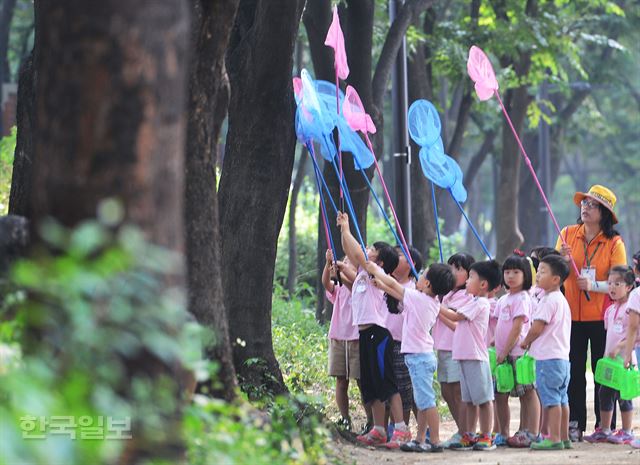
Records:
x=504, y=377
x=493, y=359
x=630, y=384
x=526, y=369
x=609, y=372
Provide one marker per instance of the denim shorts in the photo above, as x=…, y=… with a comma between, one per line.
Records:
x=421, y=369
x=552, y=381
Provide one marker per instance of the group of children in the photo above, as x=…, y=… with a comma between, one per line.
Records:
x=393, y=334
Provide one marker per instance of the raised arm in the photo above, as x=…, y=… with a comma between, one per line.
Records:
x=385, y=282
x=326, y=272
x=349, y=243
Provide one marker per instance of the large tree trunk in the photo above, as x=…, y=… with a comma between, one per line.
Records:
x=420, y=87
x=208, y=101
x=24, y=155
x=110, y=100
x=256, y=176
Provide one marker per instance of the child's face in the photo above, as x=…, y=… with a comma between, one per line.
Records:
x=460, y=274
x=372, y=253
x=422, y=283
x=403, y=267
x=514, y=279
x=545, y=278
x=474, y=283
x=618, y=289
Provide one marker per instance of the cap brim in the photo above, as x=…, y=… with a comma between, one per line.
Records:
x=579, y=196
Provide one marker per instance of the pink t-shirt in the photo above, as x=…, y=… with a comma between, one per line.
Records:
x=510, y=306
x=469, y=336
x=616, y=322
x=633, y=305
x=341, y=326
x=420, y=312
x=536, y=294
x=493, y=321
x=367, y=302
x=394, y=320
x=442, y=335
x=554, y=341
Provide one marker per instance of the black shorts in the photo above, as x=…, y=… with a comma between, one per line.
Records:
x=377, y=377
x=608, y=398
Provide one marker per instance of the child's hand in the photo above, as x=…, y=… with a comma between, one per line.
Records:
x=329, y=256
x=525, y=345
x=370, y=267
x=343, y=221
x=500, y=359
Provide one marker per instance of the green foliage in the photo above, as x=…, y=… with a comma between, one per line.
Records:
x=7, y=148
x=76, y=320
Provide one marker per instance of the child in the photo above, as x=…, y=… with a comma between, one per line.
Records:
x=616, y=321
x=633, y=331
x=513, y=312
x=419, y=311
x=536, y=254
x=449, y=369
x=402, y=275
x=548, y=341
x=344, y=358
x=377, y=379
x=470, y=350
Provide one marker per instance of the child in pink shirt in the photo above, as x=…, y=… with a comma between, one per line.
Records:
x=513, y=312
x=419, y=311
x=470, y=350
x=344, y=352
x=616, y=321
x=449, y=369
x=548, y=342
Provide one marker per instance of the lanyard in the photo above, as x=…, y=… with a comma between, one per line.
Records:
x=615, y=315
x=588, y=259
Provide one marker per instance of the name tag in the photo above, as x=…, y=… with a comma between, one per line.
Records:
x=361, y=287
x=618, y=328
x=588, y=272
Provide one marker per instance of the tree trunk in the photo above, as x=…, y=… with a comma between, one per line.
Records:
x=208, y=101
x=110, y=123
x=24, y=155
x=293, y=203
x=256, y=176
x=419, y=83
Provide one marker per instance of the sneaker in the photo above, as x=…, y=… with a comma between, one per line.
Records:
x=547, y=444
x=620, y=437
x=466, y=442
x=415, y=446
x=575, y=433
x=436, y=448
x=372, y=438
x=398, y=438
x=597, y=436
x=567, y=444
x=452, y=440
x=365, y=429
x=520, y=440
x=635, y=443
x=484, y=442
x=500, y=440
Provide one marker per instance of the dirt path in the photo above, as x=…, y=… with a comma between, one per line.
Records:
x=582, y=454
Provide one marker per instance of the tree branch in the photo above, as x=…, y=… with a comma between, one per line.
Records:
x=479, y=157
x=392, y=43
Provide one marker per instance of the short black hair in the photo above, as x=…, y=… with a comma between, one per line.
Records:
x=462, y=260
x=626, y=272
x=516, y=262
x=415, y=255
x=387, y=255
x=559, y=266
x=488, y=270
x=541, y=251
x=441, y=278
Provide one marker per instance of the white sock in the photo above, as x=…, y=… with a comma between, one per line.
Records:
x=400, y=426
x=379, y=429
x=628, y=431
x=606, y=430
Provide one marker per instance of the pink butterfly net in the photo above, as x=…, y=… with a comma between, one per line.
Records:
x=481, y=72
x=354, y=113
x=335, y=40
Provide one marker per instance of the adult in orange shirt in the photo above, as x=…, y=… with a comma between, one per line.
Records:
x=596, y=247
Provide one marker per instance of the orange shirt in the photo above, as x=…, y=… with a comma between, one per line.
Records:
x=601, y=254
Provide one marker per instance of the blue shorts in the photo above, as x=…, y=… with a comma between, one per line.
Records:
x=552, y=381
x=422, y=367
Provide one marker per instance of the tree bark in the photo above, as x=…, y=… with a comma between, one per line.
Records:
x=293, y=203
x=208, y=101
x=255, y=178
x=110, y=94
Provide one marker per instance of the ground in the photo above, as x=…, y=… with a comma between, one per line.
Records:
x=582, y=454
